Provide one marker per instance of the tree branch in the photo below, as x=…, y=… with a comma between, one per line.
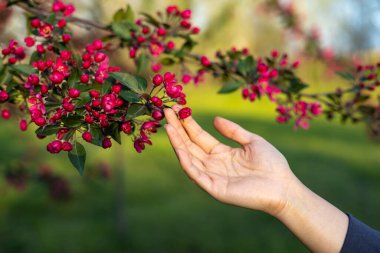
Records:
x=83, y=22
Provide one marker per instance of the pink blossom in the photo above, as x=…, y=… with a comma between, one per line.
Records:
x=301, y=108
x=156, y=48
x=186, y=78
x=302, y=122
x=139, y=144
x=316, y=109
x=156, y=67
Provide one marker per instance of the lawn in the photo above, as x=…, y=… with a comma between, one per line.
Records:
x=149, y=205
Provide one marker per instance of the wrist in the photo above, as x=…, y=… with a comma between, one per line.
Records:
x=295, y=192
x=318, y=224
x=294, y=198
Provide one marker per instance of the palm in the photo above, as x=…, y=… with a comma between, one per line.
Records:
x=254, y=175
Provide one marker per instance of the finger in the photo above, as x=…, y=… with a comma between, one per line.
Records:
x=233, y=131
x=199, y=176
x=188, y=162
x=174, y=138
x=197, y=135
x=172, y=119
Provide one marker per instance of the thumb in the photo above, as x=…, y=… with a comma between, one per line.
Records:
x=233, y=131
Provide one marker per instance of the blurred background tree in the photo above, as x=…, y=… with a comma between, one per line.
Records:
x=147, y=204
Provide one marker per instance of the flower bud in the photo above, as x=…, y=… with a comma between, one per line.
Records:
x=74, y=93
x=54, y=147
x=126, y=128
x=5, y=114
x=35, y=23
x=106, y=143
x=184, y=113
x=87, y=136
x=156, y=101
x=4, y=96
x=67, y=146
x=157, y=115
x=157, y=80
x=23, y=125
x=84, y=78
x=99, y=57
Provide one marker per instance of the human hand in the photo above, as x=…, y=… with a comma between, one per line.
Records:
x=255, y=176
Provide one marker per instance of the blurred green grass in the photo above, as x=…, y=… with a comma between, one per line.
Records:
x=149, y=205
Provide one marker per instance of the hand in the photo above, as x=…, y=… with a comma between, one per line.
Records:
x=255, y=176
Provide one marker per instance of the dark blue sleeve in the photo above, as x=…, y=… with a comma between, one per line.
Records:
x=360, y=238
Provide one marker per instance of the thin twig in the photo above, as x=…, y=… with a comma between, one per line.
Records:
x=40, y=11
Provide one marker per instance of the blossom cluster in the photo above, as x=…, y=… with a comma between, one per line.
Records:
x=272, y=77
x=158, y=41
x=301, y=110
x=70, y=95
x=80, y=96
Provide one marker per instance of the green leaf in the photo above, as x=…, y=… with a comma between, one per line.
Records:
x=296, y=85
x=95, y=86
x=6, y=78
x=366, y=109
x=120, y=15
x=78, y=157
x=34, y=57
x=362, y=98
x=51, y=19
x=114, y=131
x=142, y=82
x=246, y=65
x=59, y=46
x=142, y=63
x=167, y=61
x=188, y=45
x=28, y=24
x=74, y=78
x=48, y=130
x=97, y=136
x=134, y=83
x=106, y=87
x=84, y=88
x=230, y=86
x=35, y=32
x=129, y=14
x=135, y=110
x=23, y=69
x=270, y=61
x=123, y=29
x=334, y=98
x=129, y=96
x=73, y=121
x=150, y=19
x=83, y=100
x=52, y=105
x=346, y=75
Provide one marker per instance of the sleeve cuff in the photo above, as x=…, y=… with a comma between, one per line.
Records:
x=360, y=238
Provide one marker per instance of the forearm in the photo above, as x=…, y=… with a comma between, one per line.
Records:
x=319, y=225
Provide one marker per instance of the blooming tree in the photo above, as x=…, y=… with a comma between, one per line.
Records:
x=78, y=95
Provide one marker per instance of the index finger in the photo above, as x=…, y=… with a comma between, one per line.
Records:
x=197, y=135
